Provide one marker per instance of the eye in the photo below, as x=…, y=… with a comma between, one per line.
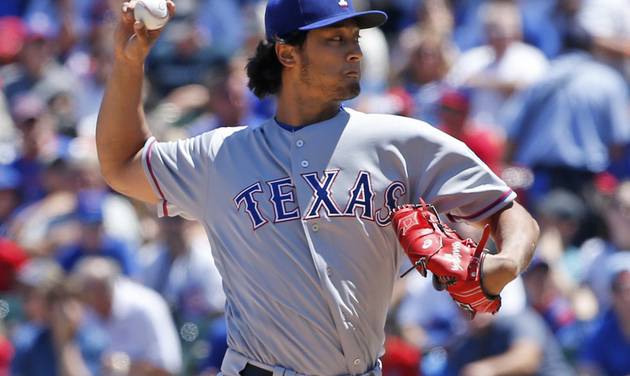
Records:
x=336, y=39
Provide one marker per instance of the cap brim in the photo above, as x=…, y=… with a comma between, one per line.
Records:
x=365, y=20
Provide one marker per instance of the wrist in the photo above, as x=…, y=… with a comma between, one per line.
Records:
x=496, y=272
x=124, y=62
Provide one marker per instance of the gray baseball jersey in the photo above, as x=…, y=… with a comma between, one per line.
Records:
x=298, y=222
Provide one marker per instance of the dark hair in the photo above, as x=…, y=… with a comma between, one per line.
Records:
x=264, y=69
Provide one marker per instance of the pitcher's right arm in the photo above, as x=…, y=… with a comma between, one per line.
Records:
x=121, y=130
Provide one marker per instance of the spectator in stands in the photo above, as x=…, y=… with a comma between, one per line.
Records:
x=10, y=181
x=120, y=219
x=434, y=16
x=499, y=69
x=40, y=144
x=142, y=337
x=429, y=58
x=52, y=341
x=12, y=257
x=555, y=280
x=611, y=254
x=181, y=57
x=455, y=120
x=179, y=266
x=439, y=324
x=561, y=214
x=545, y=23
x=606, y=351
x=518, y=344
x=229, y=103
x=43, y=226
x=37, y=72
x=572, y=124
x=556, y=308
x=608, y=21
x=92, y=87
x=92, y=239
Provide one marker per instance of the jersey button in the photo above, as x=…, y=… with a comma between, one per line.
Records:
x=329, y=271
x=299, y=143
x=315, y=227
x=356, y=362
x=304, y=164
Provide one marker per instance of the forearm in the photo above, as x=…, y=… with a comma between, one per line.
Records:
x=515, y=232
x=121, y=130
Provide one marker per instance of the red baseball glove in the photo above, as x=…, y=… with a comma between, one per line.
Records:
x=454, y=262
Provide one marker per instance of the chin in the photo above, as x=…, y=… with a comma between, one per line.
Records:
x=349, y=91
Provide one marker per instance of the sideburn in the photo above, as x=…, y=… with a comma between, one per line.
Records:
x=304, y=69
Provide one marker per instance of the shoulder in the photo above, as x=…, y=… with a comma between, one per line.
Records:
x=385, y=122
x=394, y=129
x=207, y=143
x=222, y=135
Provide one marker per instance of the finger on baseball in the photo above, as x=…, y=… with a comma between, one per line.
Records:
x=141, y=32
x=171, y=8
x=124, y=29
x=127, y=7
x=127, y=18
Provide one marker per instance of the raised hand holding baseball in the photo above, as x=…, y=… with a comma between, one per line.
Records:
x=135, y=37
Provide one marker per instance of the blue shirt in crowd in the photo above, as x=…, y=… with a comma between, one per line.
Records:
x=572, y=117
x=608, y=348
x=110, y=247
x=35, y=353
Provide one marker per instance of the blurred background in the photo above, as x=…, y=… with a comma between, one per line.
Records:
x=91, y=283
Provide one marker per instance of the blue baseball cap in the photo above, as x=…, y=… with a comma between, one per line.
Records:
x=283, y=17
x=89, y=208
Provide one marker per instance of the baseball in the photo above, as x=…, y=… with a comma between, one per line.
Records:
x=153, y=13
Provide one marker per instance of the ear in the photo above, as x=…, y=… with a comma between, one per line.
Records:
x=286, y=54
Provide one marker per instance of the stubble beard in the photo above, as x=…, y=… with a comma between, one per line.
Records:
x=340, y=92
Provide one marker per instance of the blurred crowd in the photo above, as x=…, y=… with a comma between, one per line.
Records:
x=92, y=283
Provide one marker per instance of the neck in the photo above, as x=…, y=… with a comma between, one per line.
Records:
x=297, y=110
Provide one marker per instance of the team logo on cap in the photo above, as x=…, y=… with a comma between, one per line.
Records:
x=343, y=3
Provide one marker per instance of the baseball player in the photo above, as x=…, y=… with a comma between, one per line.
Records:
x=297, y=210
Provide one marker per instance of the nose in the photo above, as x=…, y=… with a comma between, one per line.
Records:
x=356, y=54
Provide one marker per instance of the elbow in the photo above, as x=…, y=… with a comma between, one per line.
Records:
x=535, y=228
x=109, y=177
x=534, y=236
